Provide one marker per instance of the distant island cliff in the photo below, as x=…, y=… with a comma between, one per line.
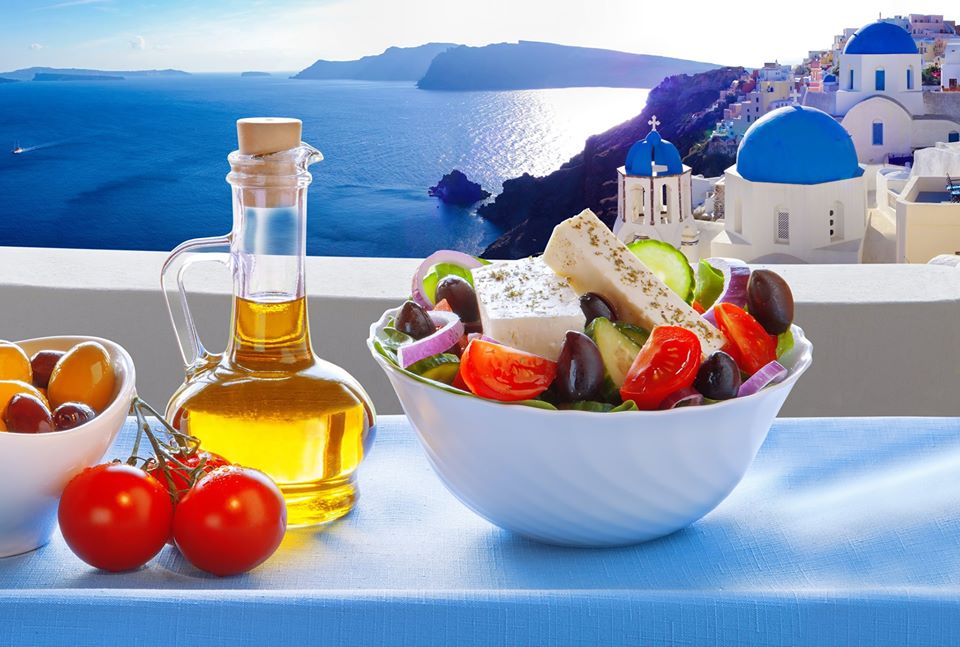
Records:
x=532, y=65
x=394, y=64
x=29, y=73
x=529, y=207
x=44, y=76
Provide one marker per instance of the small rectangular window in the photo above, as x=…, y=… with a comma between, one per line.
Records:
x=851, y=79
x=878, y=133
x=881, y=81
x=953, y=137
x=783, y=226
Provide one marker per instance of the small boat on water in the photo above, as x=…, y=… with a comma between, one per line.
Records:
x=18, y=149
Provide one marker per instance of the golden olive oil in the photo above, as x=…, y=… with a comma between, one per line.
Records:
x=268, y=403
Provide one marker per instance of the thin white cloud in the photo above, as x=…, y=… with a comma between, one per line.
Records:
x=139, y=42
x=36, y=46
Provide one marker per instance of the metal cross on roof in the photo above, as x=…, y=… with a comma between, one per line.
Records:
x=654, y=122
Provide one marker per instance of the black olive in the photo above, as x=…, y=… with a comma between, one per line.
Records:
x=460, y=296
x=770, y=301
x=718, y=377
x=594, y=306
x=413, y=321
x=579, y=369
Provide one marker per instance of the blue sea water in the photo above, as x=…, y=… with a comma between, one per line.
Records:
x=140, y=163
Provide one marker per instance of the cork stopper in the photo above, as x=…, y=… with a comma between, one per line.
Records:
x=265, y=135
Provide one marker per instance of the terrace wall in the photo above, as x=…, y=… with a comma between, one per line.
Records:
x=886, y=339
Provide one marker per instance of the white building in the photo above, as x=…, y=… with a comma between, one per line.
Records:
x=796, y=193
x=879, y=98
x=950, y=68
x=654, y=195
x=916, y=218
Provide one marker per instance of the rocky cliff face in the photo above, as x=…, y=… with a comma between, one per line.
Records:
x=529, y=65
x=394, y=64
x=529, y=207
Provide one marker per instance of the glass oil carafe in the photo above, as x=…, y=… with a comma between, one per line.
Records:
x=267, y=402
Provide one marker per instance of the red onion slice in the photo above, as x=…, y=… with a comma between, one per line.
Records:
x=449, y=333
x=736, y=275
x=443, y=256
x=769, y=374
x=482, y=337
x=686, y=397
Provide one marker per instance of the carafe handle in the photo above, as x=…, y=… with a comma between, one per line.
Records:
x=214, y=249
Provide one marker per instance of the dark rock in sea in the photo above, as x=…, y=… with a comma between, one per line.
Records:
x=43, y=76
x=455, y=188
x=394, y=64
x=249, y=74
x=530, y=207
x=530, y=65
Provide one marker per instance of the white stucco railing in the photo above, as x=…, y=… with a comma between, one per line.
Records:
x=886, y=337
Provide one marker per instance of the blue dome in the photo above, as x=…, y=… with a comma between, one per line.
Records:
x=654, y=150
x=830, y=78
x=881, y=38
x=797, y=145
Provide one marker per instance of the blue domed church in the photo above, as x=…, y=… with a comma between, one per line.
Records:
x=654, y=194
x=797, y=192
x=878, y=96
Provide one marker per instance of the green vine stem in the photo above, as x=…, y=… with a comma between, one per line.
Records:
x=169, y=446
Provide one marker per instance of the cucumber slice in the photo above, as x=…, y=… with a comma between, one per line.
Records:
x=637, y=334
x=616, y=349
x=668, y=263
x=441, y=368
x=709, y=284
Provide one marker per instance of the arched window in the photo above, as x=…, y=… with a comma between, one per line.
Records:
x=953, y=136
x=665, y=204
x=782, y=224
x=851, y=78
x=836, y=222
x=909, y=78
x=880, y=80
x=738, y=218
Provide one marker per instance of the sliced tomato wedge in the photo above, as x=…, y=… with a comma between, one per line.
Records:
x=748, y=343
x=502, y=373
x=668, y=362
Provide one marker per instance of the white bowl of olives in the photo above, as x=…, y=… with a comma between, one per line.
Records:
x=62, y=402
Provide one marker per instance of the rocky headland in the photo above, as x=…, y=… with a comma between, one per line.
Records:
x=394, y=64
x=532, y=65
x=528, y=208
x=253, y=74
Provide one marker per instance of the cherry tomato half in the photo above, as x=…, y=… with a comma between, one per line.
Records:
x=668, y=362
x=231, y=521
x=115, y=516
x=181, y=477
x=502, y=373
x=748, y=343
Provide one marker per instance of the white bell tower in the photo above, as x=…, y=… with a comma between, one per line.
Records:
x=654, y=195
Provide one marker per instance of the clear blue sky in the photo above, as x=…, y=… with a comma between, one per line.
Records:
x=234, y=35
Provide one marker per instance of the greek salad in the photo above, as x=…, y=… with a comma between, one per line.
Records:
x=593, y=324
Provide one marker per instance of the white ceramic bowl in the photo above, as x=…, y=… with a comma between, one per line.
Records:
x=34, y=468
x=580, y=478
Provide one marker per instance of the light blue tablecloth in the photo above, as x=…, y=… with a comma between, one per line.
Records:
x=845, y=532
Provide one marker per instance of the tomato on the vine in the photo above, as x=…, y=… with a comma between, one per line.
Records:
x=115, y=517
x=231, y=521
x=668, y=362
x=181, y=476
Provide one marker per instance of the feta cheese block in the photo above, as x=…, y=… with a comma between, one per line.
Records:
x=593, y=259
x=525, y=305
